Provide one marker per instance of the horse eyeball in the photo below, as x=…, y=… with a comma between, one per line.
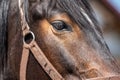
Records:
x=60, y=25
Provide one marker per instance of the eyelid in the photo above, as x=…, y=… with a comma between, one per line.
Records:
x=57, y=21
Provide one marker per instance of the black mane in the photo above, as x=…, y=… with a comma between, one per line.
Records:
x=3, y=35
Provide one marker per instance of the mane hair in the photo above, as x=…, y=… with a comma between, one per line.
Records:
x=4, y=4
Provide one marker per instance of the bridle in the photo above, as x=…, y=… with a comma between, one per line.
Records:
x=29, y=44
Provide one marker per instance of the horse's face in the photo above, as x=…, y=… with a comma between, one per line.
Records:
x=64, y=43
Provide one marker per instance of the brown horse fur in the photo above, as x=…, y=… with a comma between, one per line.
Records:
x=78, y=52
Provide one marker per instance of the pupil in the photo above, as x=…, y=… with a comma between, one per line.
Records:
x=60, y=26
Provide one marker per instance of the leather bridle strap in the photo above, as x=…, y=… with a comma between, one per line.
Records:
x=42, y=60
x=29, y=44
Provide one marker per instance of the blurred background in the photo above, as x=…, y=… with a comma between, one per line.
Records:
x=108, y=15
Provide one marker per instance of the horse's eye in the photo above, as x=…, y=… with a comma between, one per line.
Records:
x=60, y=25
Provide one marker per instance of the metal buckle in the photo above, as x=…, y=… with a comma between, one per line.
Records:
x=28, y=39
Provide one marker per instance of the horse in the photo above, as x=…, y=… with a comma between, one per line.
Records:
x=68, y=34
